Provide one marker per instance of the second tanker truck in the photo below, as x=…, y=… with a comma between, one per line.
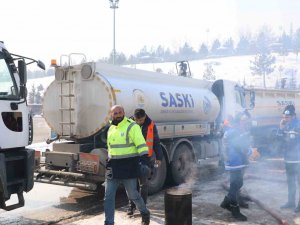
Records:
x=267, y=113
x=188, y=113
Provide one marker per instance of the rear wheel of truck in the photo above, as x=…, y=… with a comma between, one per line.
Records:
x=158, y=177
x=182, y=164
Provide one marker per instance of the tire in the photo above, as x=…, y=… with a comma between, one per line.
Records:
x=182, y=164
x=157, y=177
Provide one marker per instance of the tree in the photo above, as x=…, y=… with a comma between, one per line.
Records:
x=292, y=77
x=243, y=46
x=209, y=73
x=203, y=51
x=263, y=65
x=120, y=58
x=38, y=98
x=286, y=43
x=40, y=88
x=229, y=45
x=296, y=43
x=186, y=52
x=31, y=95
x=215, y=46
x=264, y=40
x=143, y=52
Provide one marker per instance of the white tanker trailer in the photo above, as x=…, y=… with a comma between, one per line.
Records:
x=267, y=113
x=188, y=114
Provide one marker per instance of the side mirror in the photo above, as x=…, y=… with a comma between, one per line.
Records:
x=22, y=72
x=41, y=65
x=23, y=91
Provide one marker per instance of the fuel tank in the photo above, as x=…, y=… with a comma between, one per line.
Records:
x=77, y=103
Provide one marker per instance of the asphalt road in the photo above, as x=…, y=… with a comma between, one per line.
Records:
x=51, y=204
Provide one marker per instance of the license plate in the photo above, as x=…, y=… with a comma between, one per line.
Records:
x=88, y=163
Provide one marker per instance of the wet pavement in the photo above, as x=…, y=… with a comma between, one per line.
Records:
x=49, y=204
x=265, y=180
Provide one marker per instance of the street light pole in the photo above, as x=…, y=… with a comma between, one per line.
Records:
x=114, y=6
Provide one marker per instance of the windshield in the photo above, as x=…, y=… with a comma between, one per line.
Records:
x=239, y=96
x=8, y=87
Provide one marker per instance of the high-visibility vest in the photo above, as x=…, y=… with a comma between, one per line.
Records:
x=126, y=140
x=150, y=138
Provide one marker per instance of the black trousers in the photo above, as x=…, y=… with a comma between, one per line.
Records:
x=143, y=188
x=293, y=176
x=236, y=182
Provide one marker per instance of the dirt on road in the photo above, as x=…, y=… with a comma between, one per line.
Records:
x=264, y=180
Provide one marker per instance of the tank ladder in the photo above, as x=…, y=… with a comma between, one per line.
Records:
x=66, y=96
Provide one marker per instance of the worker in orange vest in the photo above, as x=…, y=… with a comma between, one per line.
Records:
x=155, y=153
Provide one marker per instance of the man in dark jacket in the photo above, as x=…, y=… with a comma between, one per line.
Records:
x=126, y=149
x=289, y=130
x=155, y=154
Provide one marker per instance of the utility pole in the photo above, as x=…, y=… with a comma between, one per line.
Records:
x=114, y=6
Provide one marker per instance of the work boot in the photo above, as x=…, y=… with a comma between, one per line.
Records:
x=130, y=210
x=288, y=205
x=145, y=219
x=226, y=204
x=235, y=211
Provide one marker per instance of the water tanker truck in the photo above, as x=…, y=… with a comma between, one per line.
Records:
x=267, y=113
x=16, y=161
x=188, y=113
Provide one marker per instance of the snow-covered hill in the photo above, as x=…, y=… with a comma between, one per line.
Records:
x=236, y=68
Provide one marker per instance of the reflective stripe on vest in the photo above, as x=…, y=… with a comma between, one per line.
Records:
x=150, y=138
x=127, y=150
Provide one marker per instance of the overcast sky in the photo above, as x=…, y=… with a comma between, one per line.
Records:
x=49, y=28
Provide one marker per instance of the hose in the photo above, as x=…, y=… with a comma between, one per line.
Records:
x=260, y=204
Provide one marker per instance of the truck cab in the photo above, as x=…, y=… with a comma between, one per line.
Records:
x=16, y=161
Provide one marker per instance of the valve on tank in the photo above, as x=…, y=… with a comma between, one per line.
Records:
x=183, y=69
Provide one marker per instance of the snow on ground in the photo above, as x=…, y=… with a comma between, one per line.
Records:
x=45, y=81
x=236, y=68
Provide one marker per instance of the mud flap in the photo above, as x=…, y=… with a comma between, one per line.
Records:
x=20, y=203
x=16, y=176
x=4, y=193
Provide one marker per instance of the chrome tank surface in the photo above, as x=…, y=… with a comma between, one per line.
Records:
x=166, y=98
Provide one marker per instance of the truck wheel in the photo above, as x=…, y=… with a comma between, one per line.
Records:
x=157, y=178
x=182, y=164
